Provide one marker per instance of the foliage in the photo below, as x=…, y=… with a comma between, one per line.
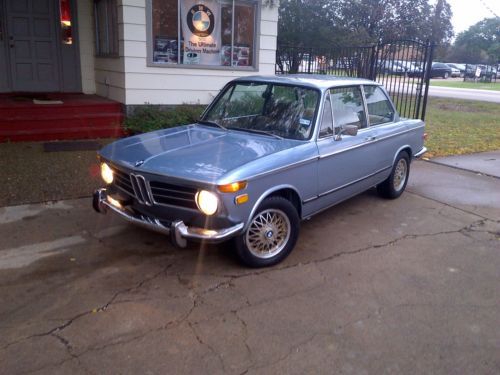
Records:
x=461, y=127
x=152, y=117
x=322, y=23
x=478, y=44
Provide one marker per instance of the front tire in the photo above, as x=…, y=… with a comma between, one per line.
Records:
x=446, y=75
x=395, y=184
x=271, y=234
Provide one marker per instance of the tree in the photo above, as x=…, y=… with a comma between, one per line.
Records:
x=441, y=29
x=348, y=22
x=480, y=43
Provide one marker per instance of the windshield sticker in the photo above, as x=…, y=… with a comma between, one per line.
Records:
x=305, y=122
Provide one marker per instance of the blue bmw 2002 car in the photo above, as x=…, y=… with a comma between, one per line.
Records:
x=266, y=154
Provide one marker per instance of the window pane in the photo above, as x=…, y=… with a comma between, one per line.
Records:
x=282, y=110
x=247, y=100
x=244, y=21
x=106, y=27
x=66, y=27
x=101, y=10
x=347, y=103
x=165, y=31
x=327, y=119
x=201, y=31
x=379, y=108
x=226, y=31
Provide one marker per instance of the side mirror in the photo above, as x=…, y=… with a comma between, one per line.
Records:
x=351, y=130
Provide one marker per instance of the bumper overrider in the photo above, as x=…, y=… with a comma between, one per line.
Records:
x=178, y=231
x=419, y=154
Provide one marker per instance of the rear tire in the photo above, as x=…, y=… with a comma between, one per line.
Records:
x=271, y=234
x=395, y=184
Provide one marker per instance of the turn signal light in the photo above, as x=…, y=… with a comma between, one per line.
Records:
x=240, y=199
x=232, y=188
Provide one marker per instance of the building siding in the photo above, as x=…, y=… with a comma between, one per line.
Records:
x=86, y=39
x=174, y=85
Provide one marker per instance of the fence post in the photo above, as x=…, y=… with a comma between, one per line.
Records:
x=373, y=63
x=427, y=78
x=309, y=61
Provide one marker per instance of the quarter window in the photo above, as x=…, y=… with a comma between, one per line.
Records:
x=203, y=32
x=348, y=109
x=326, y=128
x=380, y=110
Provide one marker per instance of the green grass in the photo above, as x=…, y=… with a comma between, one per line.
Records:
x=494, y=86
x=456, y=127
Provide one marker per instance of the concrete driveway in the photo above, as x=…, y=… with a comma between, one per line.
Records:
x=374, y=286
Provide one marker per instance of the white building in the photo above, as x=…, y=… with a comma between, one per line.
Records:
x=134, y=51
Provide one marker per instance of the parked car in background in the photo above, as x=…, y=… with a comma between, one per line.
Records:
x=440, y=70
x=459, y=67
x=267, y=153
x=391, y=67
x=454, y=71
x=412, y=69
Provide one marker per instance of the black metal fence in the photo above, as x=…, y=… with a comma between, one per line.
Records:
x=402, y=66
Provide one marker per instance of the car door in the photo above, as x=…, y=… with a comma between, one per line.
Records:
x=345, y=162
x=384, y=128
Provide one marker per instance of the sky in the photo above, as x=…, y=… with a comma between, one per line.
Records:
x=468, y=12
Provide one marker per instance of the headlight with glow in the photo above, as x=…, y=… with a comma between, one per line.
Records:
x=207, y=202
x=106, y=173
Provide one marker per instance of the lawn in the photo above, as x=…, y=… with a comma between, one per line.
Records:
x=457, y=127
x=493, y=86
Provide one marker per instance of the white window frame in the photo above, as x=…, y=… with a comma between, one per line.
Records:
x=150, y=43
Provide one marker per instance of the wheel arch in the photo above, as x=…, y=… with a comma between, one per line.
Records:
x=288, y=192
x=405, y=148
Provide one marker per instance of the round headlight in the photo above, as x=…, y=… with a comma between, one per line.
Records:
x=106, y=173
x=207, y=202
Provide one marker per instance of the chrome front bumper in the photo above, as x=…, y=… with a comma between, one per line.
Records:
x=178, y=231
x=420, y=153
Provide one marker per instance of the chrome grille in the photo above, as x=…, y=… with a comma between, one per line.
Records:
x=122, y=180
x=174, y=195
x=154, y=192
x=141, y=190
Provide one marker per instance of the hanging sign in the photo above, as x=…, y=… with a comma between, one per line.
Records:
x=201, y=32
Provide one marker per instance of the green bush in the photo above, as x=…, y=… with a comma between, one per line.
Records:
x=152, y=117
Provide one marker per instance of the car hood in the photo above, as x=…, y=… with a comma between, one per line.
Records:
x=193, y=152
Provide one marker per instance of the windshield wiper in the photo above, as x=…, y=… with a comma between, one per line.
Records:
x=256, y=131
x=211, y=123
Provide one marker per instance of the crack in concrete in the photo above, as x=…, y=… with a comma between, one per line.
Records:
x=245, y=332
x=70, y=321
x=450, y=205
x=198, y=300
x=210, y=348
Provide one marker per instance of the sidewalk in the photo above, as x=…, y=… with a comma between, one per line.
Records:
x=37, y=172
x=484, y=162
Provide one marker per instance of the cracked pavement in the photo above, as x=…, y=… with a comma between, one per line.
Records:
x=373, y=286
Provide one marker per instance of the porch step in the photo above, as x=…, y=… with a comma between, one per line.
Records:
x=78, y=117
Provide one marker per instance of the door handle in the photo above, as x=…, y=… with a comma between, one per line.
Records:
x=372, y=138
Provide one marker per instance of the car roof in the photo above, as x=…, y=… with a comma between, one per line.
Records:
x=318, y=81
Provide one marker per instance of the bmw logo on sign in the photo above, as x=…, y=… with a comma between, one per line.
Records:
x=200, y=20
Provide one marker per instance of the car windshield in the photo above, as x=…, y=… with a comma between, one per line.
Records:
x=266, y=108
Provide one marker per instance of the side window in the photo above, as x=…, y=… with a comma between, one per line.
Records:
x=348, y=109
x=326, y=128
x=380, y=109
